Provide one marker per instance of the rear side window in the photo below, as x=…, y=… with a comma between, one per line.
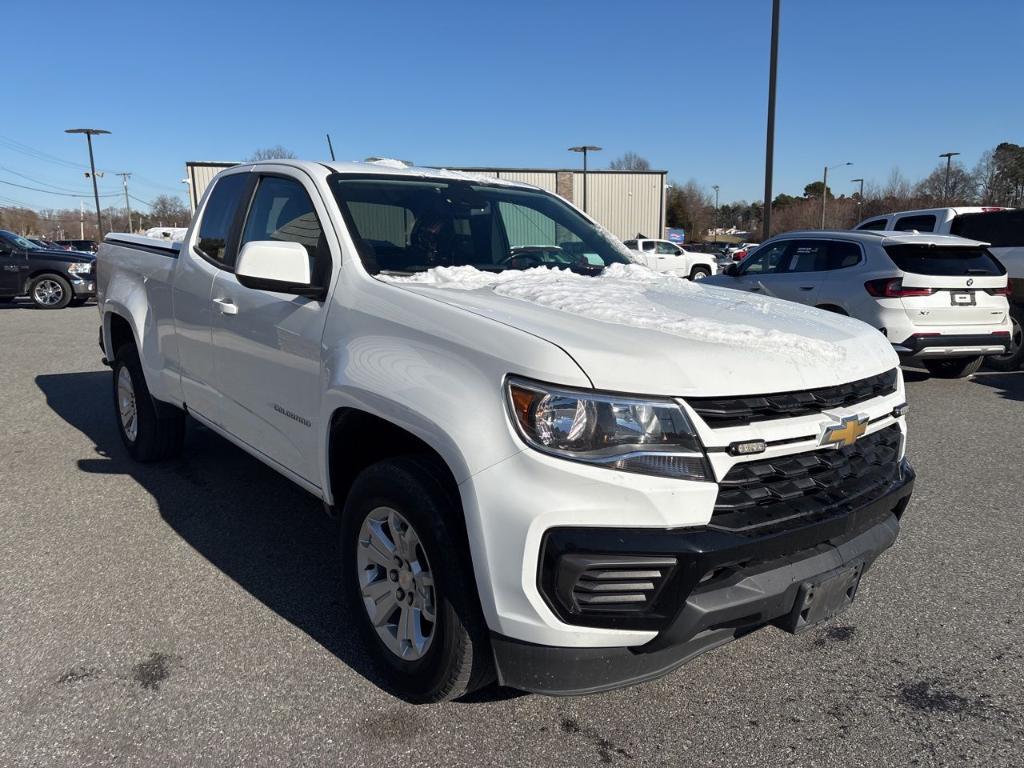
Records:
x=923, y=223
x=875, y=225
x=1000, y=229
x=219, y=215
x=631, y=244
x=841, y=255
x=944, y=260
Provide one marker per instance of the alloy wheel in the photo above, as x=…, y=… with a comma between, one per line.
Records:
x=126, y=404
x=48, y=292
x=396, y=583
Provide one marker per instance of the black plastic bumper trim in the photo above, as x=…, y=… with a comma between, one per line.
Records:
x=709, y=619
x=917, y=343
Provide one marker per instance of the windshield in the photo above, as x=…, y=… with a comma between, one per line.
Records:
x=20, y=242
x=411, y=225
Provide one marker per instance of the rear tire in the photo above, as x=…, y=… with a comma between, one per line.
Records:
x=449, y=653
x=699, y=273
x=954, y=367
x=50, y=292
x=1012, y=360
x=147, y=434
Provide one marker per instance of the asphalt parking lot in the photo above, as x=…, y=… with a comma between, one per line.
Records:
x=187, y=613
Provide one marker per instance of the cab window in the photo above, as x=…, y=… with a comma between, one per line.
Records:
x=915, y=224
x=219, y=216
x=282, y=210
x=667, y=249
x=875, y=225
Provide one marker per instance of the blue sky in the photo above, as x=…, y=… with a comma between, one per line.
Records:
x=881, y=84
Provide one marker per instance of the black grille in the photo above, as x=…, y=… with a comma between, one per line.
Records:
x=759, y=497
x=720, y=412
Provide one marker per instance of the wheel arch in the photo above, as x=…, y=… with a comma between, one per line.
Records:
x=375, y=439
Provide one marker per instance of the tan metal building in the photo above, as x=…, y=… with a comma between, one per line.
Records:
x=627, y=203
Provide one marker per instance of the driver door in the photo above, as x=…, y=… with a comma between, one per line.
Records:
x=670, y=258
x=13, y=268
x=759, y=273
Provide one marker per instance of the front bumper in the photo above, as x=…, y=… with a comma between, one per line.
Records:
x=761, y=577
x=84, y=286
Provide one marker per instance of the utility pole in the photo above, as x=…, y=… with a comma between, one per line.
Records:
x=128, y=206
x=860, y=198
x=945, y=187
x=715, y=187
x=769, y=150
x=89, y=133
x=824, y=189
x=81, y=220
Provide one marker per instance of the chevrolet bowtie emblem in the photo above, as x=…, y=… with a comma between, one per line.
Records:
x=845, y=432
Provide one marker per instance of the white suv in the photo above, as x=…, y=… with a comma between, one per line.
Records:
x=940, y=300
x=665, y=256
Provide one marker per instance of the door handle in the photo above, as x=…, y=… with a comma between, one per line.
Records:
x=226, y=306
x=806, y=287
x=755, y=288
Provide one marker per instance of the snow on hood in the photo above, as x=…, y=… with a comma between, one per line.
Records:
x=633, y=295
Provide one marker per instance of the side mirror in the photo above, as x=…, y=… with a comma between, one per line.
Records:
x=272, y=265
x=731, y=269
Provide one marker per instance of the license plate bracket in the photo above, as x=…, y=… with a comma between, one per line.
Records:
x=823, y=597
x=962, y=299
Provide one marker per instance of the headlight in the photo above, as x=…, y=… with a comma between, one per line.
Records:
x=653, y=437
x=80, y=268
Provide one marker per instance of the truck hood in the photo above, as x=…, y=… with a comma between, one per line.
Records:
x=634, y=330
x=67, y=257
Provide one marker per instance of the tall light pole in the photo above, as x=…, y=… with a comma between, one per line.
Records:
x=715, y=187
x=585, y=148
x=769, y=150
x=945, y=187
x=824, y=188
x=860, y=198
x=89, y=133
x=124, y=177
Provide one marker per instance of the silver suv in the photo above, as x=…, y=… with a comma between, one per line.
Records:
x=940, y=300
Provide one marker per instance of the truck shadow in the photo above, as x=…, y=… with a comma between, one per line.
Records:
x=265, y=533
x=1009, y=386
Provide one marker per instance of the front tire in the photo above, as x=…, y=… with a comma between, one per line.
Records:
x=408, y=582
x=1014, y=356
x=699, y=273
x=148, y=435
x=50, y=292
x=954, y=367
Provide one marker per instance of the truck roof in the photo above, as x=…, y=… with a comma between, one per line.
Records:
x=387, y=167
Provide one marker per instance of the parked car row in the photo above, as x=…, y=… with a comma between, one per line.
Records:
x=940, y=300
x=52, y=278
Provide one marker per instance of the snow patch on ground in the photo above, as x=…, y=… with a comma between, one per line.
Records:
x=629, y=294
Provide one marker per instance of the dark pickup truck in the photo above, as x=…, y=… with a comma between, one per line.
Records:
x=51, y=278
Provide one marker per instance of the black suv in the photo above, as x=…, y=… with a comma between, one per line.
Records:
x=51, y=278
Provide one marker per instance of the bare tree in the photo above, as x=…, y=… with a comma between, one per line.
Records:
x=276, y=152
x=961, y=189
x=690, y=207
x=630, y=161
x=169, y=211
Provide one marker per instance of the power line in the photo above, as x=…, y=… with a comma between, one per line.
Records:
x=50, y=192
x=40, y=181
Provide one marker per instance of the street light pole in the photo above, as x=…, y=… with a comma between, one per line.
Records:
x=715, y=187
x=860, y=198
x=945, y=187
x=89, y=133
x=769, y=150
x=585, y=148
x=824, y=189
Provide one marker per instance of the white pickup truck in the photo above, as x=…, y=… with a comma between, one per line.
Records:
x=671, y=259
x=552, y=467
